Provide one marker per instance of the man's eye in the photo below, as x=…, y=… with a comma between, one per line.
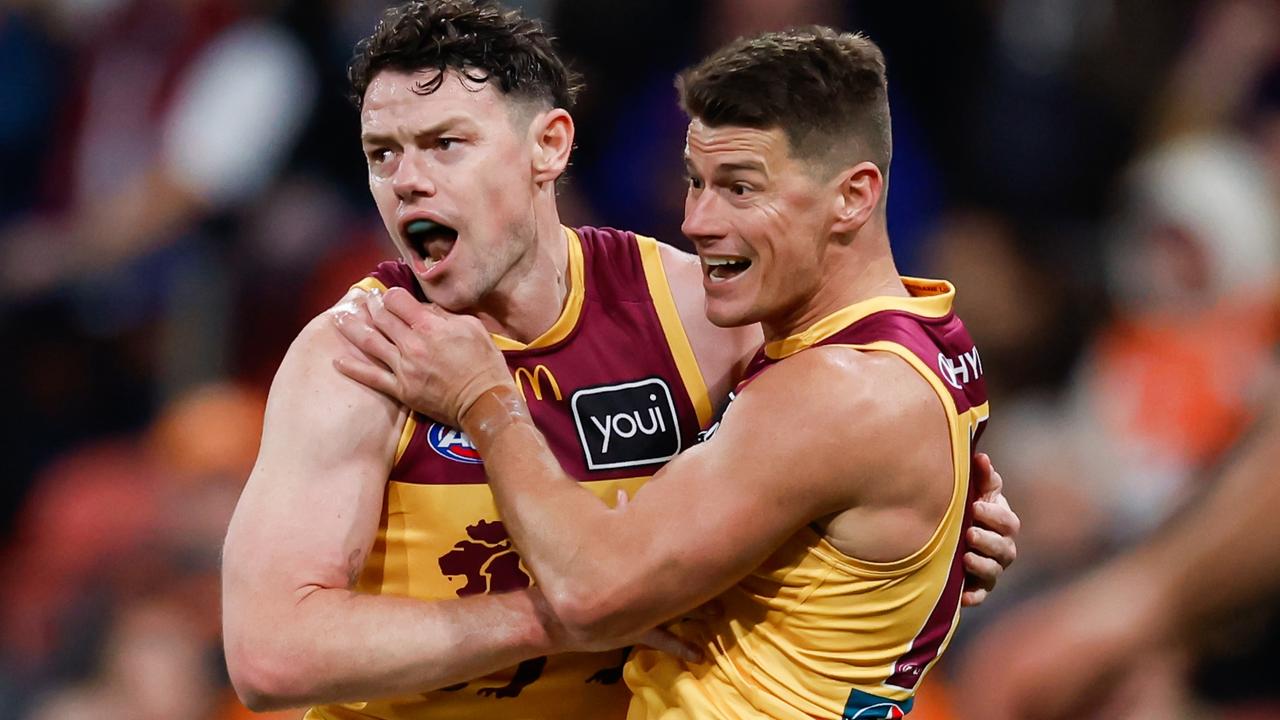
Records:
x=695, y=183
x=379, y=156
x=445, y=143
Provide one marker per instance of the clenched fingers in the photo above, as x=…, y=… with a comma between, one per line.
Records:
x=993, y=545
x=998, y=517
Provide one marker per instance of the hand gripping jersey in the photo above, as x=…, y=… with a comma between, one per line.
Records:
x=812, y=632
x=614, y=387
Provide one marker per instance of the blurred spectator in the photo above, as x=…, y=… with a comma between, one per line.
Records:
x=1135, y=618
x=1166, y=385
x=122, y=520
x=186, y=108
x=171, y=181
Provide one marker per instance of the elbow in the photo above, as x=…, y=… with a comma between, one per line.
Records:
x=267, y=679
x=254, y=680
x=590, y=613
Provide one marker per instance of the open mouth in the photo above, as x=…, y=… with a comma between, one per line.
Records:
x=720, y=269
x=431, y=240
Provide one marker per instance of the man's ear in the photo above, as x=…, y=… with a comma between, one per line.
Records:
x=859, y=191
x=552, y=133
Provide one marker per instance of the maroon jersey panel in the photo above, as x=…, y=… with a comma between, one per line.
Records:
x=608, y=396
x=943, y=344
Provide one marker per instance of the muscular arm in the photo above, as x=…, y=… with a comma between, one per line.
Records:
x=722, y=355
x=786, y=454
x=295, y=631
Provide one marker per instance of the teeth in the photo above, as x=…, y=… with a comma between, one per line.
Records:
x=720, y=269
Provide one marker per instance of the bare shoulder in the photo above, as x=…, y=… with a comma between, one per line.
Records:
x=891, y=442
x=860, y=389
x=870, y=414
x=308, y=388
x=722, y=353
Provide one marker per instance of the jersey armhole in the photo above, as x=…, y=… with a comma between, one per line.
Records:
x=371, y=283
x=954, y=514
x=664, y=303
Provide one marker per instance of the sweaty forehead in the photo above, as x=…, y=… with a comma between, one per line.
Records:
x=734, y=143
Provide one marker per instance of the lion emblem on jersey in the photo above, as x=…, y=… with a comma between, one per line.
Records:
x=490, y=564
x=488, y=561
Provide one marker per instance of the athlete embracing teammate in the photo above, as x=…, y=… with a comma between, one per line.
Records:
x=368, y=565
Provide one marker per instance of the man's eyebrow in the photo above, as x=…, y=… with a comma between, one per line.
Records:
x=442, y=125
x=724, y=168
x=375, y=139
x=747, y=165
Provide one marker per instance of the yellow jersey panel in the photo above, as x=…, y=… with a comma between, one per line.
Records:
x=812, y=632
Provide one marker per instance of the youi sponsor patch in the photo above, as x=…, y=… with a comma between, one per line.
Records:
x=627, y=424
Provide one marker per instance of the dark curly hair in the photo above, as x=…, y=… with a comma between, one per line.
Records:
x=478, y=38
x=821, y=87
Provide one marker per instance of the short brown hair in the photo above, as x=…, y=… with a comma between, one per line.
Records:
x=822, y=88
x=478, y=38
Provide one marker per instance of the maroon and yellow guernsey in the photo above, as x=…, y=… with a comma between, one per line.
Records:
x=815, y=633
x=614, y=387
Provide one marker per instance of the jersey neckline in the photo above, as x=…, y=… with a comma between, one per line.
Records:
x=569, y=314
x=929, y=298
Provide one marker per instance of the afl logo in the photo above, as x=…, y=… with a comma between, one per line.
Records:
x=453, y=444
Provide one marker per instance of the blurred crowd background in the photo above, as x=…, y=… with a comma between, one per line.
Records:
x=182, y=188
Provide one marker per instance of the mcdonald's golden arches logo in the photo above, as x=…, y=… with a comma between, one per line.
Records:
x=534, y=378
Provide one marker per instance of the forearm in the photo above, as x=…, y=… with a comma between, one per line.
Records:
x=1223, y=553
x=336, y=645
x=564, y=533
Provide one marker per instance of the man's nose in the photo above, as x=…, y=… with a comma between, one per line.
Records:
x=702, y=221
x=414, y=176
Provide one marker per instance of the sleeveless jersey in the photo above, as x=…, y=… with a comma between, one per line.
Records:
x=614, y=387
x=812, y=632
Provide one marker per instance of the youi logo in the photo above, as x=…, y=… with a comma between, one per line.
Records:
x=453, y=444
x=627, y=424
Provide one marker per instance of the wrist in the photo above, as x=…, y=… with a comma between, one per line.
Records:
x=493, y=411
x=550, y=634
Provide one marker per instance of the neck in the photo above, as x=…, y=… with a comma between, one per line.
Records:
x=530, y=298
x=853, y=271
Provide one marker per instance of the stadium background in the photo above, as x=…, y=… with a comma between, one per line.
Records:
x=181, y=188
